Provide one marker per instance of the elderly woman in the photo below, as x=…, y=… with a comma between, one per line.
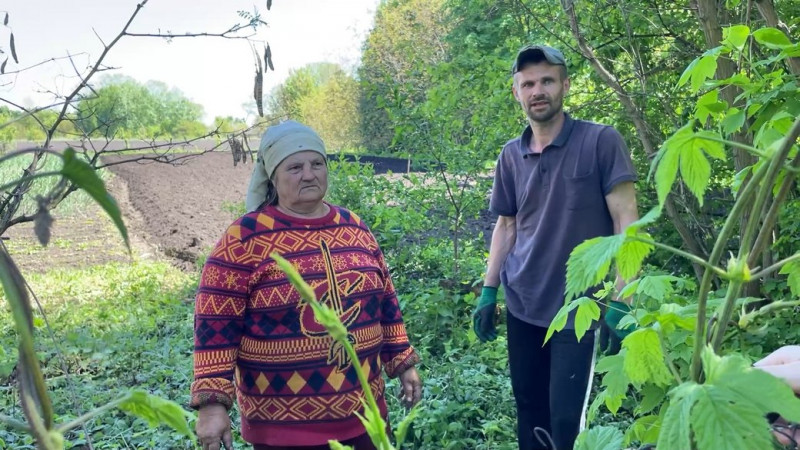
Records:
x=295, y=386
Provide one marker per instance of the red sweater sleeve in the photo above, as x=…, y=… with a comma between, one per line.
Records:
x=218, y=322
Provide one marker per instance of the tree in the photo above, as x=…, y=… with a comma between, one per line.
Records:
x=407, y=41
x=124, y=108
x=323, y=96
x=76, y=171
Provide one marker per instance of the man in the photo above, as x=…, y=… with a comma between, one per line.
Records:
x=562, y=182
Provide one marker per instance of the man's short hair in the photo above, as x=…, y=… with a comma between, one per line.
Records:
x=533, y=54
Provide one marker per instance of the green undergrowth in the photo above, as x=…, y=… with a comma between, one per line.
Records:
x=114, y=328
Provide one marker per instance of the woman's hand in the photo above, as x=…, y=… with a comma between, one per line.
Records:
x=783, y=363
x=214, y=426
x=411, y=387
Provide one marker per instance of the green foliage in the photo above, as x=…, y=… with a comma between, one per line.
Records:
x=599, y=438
x=124, y=108
x=84, y=177
x=324, y=97
x=727, y=410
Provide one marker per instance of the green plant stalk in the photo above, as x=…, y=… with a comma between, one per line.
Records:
x=28, y=179
x=335, y=328
x=767, y=309
x=63, y=428
x=705, y=284
x=38, y=428
x=15, y=424
x=16, y=295
x=734, y=289
x=693, y=258
x=671, y=365
x=751, y=230
x=776, y=266
x=772, y=215
x=743, y=146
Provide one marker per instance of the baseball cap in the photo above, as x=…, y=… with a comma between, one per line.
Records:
x=537, y=53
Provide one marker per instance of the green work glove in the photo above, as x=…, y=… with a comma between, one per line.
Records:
x=484, y=315
x=614, y=314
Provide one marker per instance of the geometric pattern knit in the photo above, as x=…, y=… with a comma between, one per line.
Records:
x=256, y=341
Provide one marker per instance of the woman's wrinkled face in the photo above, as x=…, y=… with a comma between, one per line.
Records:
x=301, y=180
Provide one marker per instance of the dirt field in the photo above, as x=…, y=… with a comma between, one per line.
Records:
x=172, y=211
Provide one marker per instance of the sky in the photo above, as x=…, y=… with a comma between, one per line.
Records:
x=216, y=73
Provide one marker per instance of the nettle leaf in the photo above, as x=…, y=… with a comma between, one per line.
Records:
x=735, y=36
x=733, y=121
x=793, y=270
x=589, y=263
x=656, y=286
x=721, y=421
x=698, y=71
x=644, y=360
x=599, y=438
x=644, y=430
x=588, y=312
x=751, y=387
x=652, y=396
x=695, y=171
x=156, y=411
x=675, y=429
x=615, y=380
x=560, y=320
x=709, y=104
x=771, y=38
x=672, y=316
x=630, y=256
x=84, y=176
x=667, y=167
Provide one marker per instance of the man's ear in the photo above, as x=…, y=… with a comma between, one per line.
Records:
x=566, y=85
x=514, y=91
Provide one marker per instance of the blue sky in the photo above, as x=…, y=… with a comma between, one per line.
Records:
x=215, y=73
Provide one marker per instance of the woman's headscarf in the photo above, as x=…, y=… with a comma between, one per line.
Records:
x=279, y=142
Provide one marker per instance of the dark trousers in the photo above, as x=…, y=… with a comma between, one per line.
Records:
x=550, y=383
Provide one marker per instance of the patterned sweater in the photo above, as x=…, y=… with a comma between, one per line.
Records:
x=254, y=336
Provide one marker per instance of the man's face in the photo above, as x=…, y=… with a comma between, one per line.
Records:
x=539, y=89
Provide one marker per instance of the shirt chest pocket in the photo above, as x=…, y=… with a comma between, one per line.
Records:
x=583, y=192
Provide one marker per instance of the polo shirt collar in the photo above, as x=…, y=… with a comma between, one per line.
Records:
x=559, y=141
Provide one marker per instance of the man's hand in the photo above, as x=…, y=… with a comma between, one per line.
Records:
x=614, y=314
x=214, y=426
x=484, y=315
x=411, y=387
x=783, y=363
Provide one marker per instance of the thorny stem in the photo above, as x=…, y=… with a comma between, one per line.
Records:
x=749, y=235
x=705, y=284
x=693, y=258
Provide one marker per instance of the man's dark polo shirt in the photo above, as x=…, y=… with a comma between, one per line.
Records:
x=558, y=200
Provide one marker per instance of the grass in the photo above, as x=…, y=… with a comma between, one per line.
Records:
x=115, y=327
x=13, y=169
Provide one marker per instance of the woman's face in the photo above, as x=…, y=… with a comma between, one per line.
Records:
x=301, y=181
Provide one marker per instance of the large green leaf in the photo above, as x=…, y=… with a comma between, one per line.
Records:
x=721, y=421
x=587, y=312
x=156, y=411
x=599, y=438
x=644, y=360
x=560, y=320
x=615, y=380
x=735, y=36
x=695, y=171
x=792, y=269
x=771, y=38
x=644, y=430
x=675, y=429
x=733, y=121
x=652, y=396
x=631, y=255
x=84, y=176
x=753, y=388
x=666, y=169
x=700, y=70
x=589, y=263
